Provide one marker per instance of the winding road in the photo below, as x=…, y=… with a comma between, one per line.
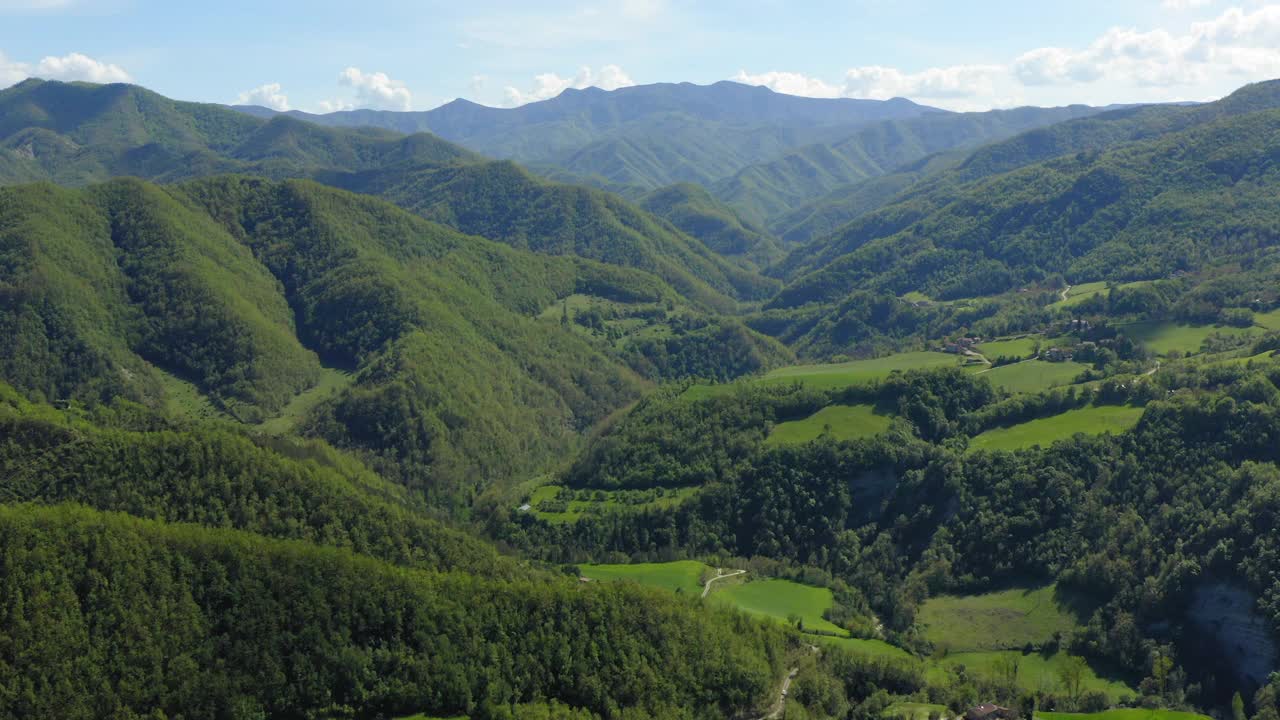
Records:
x=781, y=703
x=720, y=575
x=1064, y=293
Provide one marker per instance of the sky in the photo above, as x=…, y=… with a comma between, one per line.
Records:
x=325, y=55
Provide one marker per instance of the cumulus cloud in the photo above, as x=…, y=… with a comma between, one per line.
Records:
x=73, y=66
x=1206, y=59
x=1185, y=4
x=960, y=81
x=789, y=83
x=376, y=89
x=270, y=95
x=549, y=85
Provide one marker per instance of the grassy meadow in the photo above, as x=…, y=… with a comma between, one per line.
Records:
x=1124, y=714
x=1036, y=671
x=1163, y=338
x=782, y=600
x=1008, y=619
x=1092, y=420
x=1034, y=375
x=1023, y=347
x=858, y=371
x=841, y=422
x=682, y=575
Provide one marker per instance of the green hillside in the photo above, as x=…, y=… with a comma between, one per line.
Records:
x=692, y=209
x=768, y=190
x=504, y=202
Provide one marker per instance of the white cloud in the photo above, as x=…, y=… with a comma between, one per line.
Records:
x=1185, y=4
x=1205, y=59
x=6, y=5
x=789, y=83
x=377, y=90
x=882, y=83
x=73, y=66
x=330, y=106
x=549, y=85
x=270, y=95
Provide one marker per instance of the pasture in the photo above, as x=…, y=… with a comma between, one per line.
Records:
x=782, y=600
x=915, y=711
x=1163, y=338
x=1023, y=347
x=683, y=575
x=1003, y=620
x=1036, y=672
x=1124, y=714
x=1034, y=375
x=840, y=422
x=839, y=375
x=1043, y=432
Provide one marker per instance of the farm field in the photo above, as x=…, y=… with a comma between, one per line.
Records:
x=782, y=599
x=1124, y=714
x=1008, y=619
x=1268, y=320
x=1081, y=293
x=1034, y=375
x=1024, y=347
x=1035, y=672
x=603, y=501
x=860, y=646
x=858, y=371
x=682, y=575
x=914, y=711
x=1163, y=338
x=846, y=422
x=1045, y=431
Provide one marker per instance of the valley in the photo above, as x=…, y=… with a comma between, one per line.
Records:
x=702, y=402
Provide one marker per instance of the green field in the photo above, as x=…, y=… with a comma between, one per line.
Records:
x=914, y=711
x=858, y=371
x=1024, y=347
x=1034, y=375
x=331, y=383
x=1035, y=672
x=1004, y=620
x=609, y=501
x=1163, y=338
x=1082, y=292
x=1269, y=320
x=1124, y=714
x=1079, y=293
x=782, y=599
x=859, y=646
x=682, y=575
x=845, y=422
x=1093, y=420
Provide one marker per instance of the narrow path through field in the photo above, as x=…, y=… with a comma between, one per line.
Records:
x=1153, y=370
x=993, y=367
x=781, y=703
x=720, y=575
x=1064, y=293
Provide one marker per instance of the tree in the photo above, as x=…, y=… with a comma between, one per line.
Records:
x=1237, y=707
x=1072, y=673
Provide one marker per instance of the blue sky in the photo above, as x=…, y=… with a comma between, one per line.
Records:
x=397, y=54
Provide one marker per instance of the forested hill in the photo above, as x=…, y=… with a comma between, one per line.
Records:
x=1144, y=210
x=504, y=202
x=245, y=289
x=765, y=191
x=79, y=133
x=575, y=118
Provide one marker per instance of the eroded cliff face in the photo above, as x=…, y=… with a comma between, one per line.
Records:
x=1228, y=615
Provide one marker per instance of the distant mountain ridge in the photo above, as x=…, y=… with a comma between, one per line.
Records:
x=576, y=117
